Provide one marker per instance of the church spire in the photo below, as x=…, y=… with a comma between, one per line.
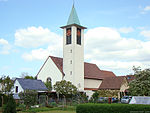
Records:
x=73, y=18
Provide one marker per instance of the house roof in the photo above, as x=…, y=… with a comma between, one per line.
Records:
x=29, y=84
x=91, y=71
x=112, y=82
x=130, y=78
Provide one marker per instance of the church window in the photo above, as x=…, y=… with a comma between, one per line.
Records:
x=70, y=61
x=71, y=51
x=68, y=36
x=78, y=36
x=49, y=79
x=70, y=72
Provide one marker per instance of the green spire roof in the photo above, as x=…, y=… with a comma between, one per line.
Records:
x=73, y=18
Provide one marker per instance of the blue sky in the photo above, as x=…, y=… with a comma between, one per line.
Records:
x=117, y=38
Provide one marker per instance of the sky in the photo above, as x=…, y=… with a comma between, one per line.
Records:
x=117, y=38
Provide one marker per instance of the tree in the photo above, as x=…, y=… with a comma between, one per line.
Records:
x=94, y=97
x=29, y=97
x=10, y=106
x=65, y=88
x=48, y=84
x=108, y=93
x=27, y=76
x=140, y=86
x=6, y=84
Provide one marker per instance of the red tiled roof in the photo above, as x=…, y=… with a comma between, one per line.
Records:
x=130, y=78
x=91, y=71
x=112, y=82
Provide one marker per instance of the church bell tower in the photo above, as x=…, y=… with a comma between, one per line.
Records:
x=73, y=51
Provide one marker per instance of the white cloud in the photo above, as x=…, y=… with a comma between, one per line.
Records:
x=147, y=8
x=109, y=50
x=146, y=33
x=126, y=30
x=35, y=37
x=4, y=46
x=105, y=47
x=42, y=54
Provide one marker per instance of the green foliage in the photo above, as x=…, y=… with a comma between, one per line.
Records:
x=48, y=84
x=29, y=77
x=65, y=88
x=5, y=99
x=42, y=109
x=94, y=97
x=141, y=85
x=10, y=107
x=21, y=107
x=111, y=108
x=108, y=93
x=29, y=97
x=6, y=83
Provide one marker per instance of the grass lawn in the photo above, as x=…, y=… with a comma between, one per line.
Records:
x=68, y=109
x=55, y=111
x=58, y=111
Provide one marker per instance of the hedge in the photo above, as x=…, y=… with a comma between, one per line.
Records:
x=112, y=108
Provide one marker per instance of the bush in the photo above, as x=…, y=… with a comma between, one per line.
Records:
x=10, y=107
x=21, y=107
x=111, y=108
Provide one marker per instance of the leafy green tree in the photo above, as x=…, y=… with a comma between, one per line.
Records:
x=140, y=86
x=29, y=97
x=108, y=93
x=65, y=88
x=27, y=76
x=94, y=97
x=48, y=84
x=6, y=84
x=10, y=106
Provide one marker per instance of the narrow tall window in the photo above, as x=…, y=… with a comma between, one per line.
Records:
x=68, y=36
x=16, y=89
x=78, y=36
x=70, y=72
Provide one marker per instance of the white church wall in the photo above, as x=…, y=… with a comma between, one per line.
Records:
x=92, y=83
x=50, y=70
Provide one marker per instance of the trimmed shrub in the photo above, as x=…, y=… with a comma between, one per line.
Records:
x=10, y=107
x=112, y=108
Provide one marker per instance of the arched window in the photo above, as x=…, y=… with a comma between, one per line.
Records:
x=49, y=79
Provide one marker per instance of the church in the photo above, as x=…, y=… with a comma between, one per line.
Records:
x=87, y=77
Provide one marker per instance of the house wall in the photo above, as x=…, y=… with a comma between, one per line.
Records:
x=124, y=86
x=92, y=83
x=50, y=70
x=20, y=89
